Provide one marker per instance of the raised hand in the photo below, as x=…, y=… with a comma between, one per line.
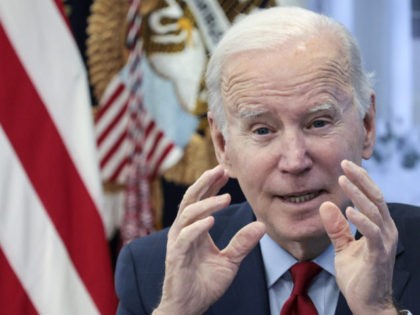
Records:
x=197, y=273
x=364, y=267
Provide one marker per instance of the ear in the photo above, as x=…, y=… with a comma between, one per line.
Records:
x=370, y=129
x=219, y=142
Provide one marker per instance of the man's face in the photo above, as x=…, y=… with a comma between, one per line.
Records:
x=291, y=120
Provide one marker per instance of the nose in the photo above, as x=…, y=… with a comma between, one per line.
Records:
x=294, y=155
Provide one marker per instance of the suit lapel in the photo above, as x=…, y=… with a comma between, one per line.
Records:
x=401, y=275
x=342, y=307
x=248, y=292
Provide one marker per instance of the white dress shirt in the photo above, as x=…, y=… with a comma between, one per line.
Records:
x=323, y=290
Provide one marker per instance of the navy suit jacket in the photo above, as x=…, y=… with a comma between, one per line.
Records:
x=141, y=266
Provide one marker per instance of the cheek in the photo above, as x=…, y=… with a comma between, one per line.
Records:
x=352, y=147
x=241, y=158
x=345, y=143
x=252, y=168
x=331, y=153
x=238, y=161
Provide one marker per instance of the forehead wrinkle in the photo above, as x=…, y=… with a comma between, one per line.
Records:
x=238, y=84
x=333, y=71
x=232, y=88
x=234, y=76
x=339, y=66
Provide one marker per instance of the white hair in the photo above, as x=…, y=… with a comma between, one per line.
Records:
x=268, y=29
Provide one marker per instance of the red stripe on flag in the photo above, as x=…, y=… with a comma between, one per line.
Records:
x=13, y=297
x=150, y=127
x=162, y=157
x=104, y=108
x=156, y=141
x=55, y=178
x=114, y=176
x=112, y=124
x=114, y=148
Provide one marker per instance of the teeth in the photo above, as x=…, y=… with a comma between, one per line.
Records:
x=301, y=198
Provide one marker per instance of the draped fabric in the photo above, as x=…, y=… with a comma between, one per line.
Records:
x=54, y=256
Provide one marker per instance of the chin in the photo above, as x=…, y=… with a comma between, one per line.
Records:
x=307, y=232
x=300, y=231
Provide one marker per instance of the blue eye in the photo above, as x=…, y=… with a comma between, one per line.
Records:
x=319, y=123
x=262, y=131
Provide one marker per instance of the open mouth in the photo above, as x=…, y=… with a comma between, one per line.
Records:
x=300, y=198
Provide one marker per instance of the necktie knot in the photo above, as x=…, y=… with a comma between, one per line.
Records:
x=302, y=275
x=299, y=302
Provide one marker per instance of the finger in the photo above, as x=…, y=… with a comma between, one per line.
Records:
x=208, y=184
x=368, y=229
x=335, y=225
x=244, y=241
x=361, y=201
x=190, y=234
x=362, y=180
x=201, y=209
x=373, y=219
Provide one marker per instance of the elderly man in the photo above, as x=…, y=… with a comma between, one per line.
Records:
x=292, y=115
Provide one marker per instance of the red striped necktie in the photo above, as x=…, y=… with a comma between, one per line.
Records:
x=299, y=303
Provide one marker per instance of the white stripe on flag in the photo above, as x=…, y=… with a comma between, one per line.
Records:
x=118, y=103
x=117, y=158
x=160, y=149
x=115, y=133
x=25, y=232
x=69, y=108
x=171, y=159
x=52, y=227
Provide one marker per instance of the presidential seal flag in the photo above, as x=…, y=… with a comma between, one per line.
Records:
x=176, y=37
x=133, y=147
x=54, y=255
x=179, y=36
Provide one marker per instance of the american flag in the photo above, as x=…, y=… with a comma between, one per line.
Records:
x=112, y=127
x=113, y=116
x=132, y=148
x=54, y=256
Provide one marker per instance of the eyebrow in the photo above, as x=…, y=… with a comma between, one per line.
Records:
x=249, y=114
x=252, y=113
x=326, y=106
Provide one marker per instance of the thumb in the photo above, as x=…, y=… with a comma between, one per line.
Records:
x=335, y=225
x=244, y=241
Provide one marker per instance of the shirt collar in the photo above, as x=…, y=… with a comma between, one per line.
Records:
x=277, y=261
